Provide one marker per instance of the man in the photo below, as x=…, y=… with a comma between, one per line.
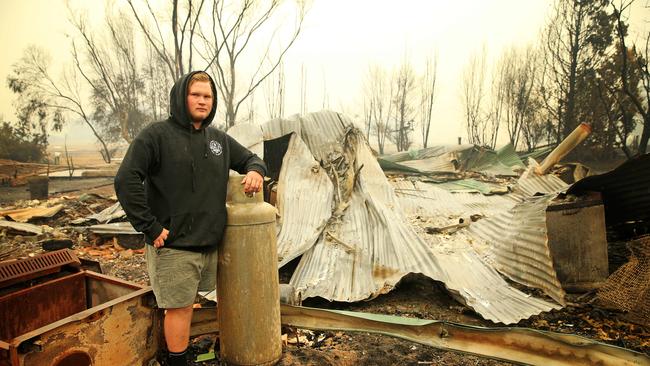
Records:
x=181, y=205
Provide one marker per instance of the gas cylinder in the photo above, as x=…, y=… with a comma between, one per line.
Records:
x=248, y=299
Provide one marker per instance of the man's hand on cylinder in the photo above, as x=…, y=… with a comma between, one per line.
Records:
x=252, y=182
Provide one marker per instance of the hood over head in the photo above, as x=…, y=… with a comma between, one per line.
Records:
x=178, y=102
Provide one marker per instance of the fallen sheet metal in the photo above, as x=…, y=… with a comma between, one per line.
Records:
x=530, y=184
x=20, y=228
x=368, y=245
x=302, y=216
x=455, y=158
x=518, y=345
x=280, y=127
x=105, y=216
x=430, y=160
x=25, y=214
x=433, y=199
x=519, y=245
x=115, y=228
x=625, y=190
x=474, y=186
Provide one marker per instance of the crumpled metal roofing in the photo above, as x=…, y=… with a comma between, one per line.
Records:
x=302, y=215
x=20, y=227
x=115, y=228
x=625, y=190
x=519, y=245
x=530, y=184
x=110, y=213
x=432, y=200
x=25, y=214
x=455, y=158
x=473, y=186
x=512, y=235
x=429, y=160
x=368, y=244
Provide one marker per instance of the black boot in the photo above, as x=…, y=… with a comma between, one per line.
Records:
x=178, y=359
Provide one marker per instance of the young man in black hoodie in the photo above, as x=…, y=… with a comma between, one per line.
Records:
x=181, y=205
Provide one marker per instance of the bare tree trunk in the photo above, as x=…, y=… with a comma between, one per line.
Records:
x=427, y=89
x=642, y=68
x=472, y=92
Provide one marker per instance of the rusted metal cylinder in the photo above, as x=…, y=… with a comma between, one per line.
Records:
x=248, y=298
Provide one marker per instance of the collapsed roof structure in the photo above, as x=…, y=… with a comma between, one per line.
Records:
x=357, y=232
x=351, y=225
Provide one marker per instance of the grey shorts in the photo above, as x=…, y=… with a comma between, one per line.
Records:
x=177, y=275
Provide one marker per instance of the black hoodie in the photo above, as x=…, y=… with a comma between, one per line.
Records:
x=185, y=174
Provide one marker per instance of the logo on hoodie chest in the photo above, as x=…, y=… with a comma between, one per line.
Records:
x=215, y=147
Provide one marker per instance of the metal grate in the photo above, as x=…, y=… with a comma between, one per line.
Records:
x=26, y=269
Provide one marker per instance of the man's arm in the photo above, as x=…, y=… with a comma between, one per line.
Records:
x=135, y=167
x=244, y=161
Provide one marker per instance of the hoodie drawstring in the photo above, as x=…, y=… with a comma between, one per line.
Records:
x=192, y=160
x=205, y=144
x=205, y=153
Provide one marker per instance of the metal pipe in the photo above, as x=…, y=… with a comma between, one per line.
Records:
x=569, y=143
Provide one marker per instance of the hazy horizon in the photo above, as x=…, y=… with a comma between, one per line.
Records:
x=339, y=41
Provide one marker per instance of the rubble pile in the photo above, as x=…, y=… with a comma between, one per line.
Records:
x=31, y=227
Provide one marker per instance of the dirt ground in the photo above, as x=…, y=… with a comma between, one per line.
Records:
x=415, y=296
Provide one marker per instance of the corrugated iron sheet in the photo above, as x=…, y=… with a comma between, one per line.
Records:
x=304, y=201
x=530, y=184
x=474, y=186
x=519, y=245
x=429, y=152
x=20, y=227
x=105, y=216
x=24, y=214
x=428, y=199
x=512, y=236
x=625, y=190
x=370, y=246
x=116, y=228
x=280, y=127
x=445, y=163
x=434, y=159
x=455, y=158
x=323, y=132
x=509, y=157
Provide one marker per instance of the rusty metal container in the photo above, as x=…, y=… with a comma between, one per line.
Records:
x=578, y=242
x=52, y=313
x=38, y=187
x=248, y=298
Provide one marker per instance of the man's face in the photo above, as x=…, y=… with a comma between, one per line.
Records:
x=199, y=100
